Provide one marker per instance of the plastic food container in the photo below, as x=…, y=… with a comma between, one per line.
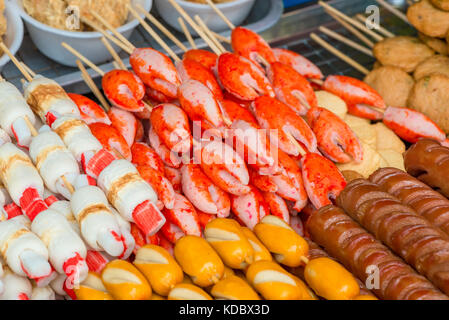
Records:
x=236, y=11
x=48, y=39
x=14, y=33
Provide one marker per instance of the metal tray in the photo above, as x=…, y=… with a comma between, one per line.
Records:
x=265, y=14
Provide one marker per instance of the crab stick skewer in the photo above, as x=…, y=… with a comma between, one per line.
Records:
x=16, y=287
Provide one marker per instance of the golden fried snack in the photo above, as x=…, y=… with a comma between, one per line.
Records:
x=435, y=64
x=184, y=291
x=274, y=283
x=92, y=289
x=260, y=251
x=377, y=65
x=392, y=159
x=441, y=4
x=430, y=95
x=231, y=244
x=439, y=45
x=124, y=282
x=403, y=52
x=387, y=139
x=288, y=247
x=392, y=83
x=330, y=280
x=197, y=258
x=428, y=19
x=234, y=288
x=159, y=267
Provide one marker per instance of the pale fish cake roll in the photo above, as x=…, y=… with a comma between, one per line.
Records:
x=92, y=288
x=274, y=283
x=330, y=280
x=260, y=251
x=288, y=247
x=49, y=100
x=185, y=291
x=227, y=238
x=159, y=267
x=234, y=288
x=54, y=161
x=199, y=260
x=125, y=282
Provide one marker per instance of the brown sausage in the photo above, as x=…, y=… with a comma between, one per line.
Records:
x=315, y=252
x=357, y=249
x=428, y=161
x=412, y=192
x=398, y=226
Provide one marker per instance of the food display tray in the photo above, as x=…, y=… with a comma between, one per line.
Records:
x=265, y=14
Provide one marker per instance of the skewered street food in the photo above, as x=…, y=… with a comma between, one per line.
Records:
x=403, y=52
x=428, y=19
x=433, y=65
x=392, y=83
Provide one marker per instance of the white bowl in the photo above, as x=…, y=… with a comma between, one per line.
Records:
x=48, y=39
x=236, y=11
x=14, y=33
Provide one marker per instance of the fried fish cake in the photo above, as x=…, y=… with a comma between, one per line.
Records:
x=437, y=44
x=403, y=52
x=430, y=95
x=436, y=64
x=441, y=4
x=392, y=83
x=428, y=19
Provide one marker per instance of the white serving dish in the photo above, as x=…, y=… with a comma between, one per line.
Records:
x=14, y=32
x=236, y=11
x=48, y=39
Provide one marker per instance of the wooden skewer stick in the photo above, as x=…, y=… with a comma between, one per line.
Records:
x=351, y=29
x=378, y=27
x=113, y=30
x=19, y=66
x=187, y=33
x=161, y=27
x=114, y=54
x=153, y=34
x=346, y=41
x=339, y=54
x=28, y=69
x=92, y=86
x=292, y=139
x=83, y=58
x=354, y=22
x=68, y=185
x=117, y=153
x=109, y=36
x=221, y=14
x=197, y=29
x=209, y=33
x=30, y=126
x=393, y=10
x=221, y=38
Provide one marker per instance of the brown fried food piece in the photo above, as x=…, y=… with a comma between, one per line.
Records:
x=441, y=4
x=351, y=175
x=3, y=22
x=392, y=83
x=49, y=12
x=403, y=52
x=428, y=19
x=436, y=64
x=430, y=95
x=439, y=45
x=115, y=12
